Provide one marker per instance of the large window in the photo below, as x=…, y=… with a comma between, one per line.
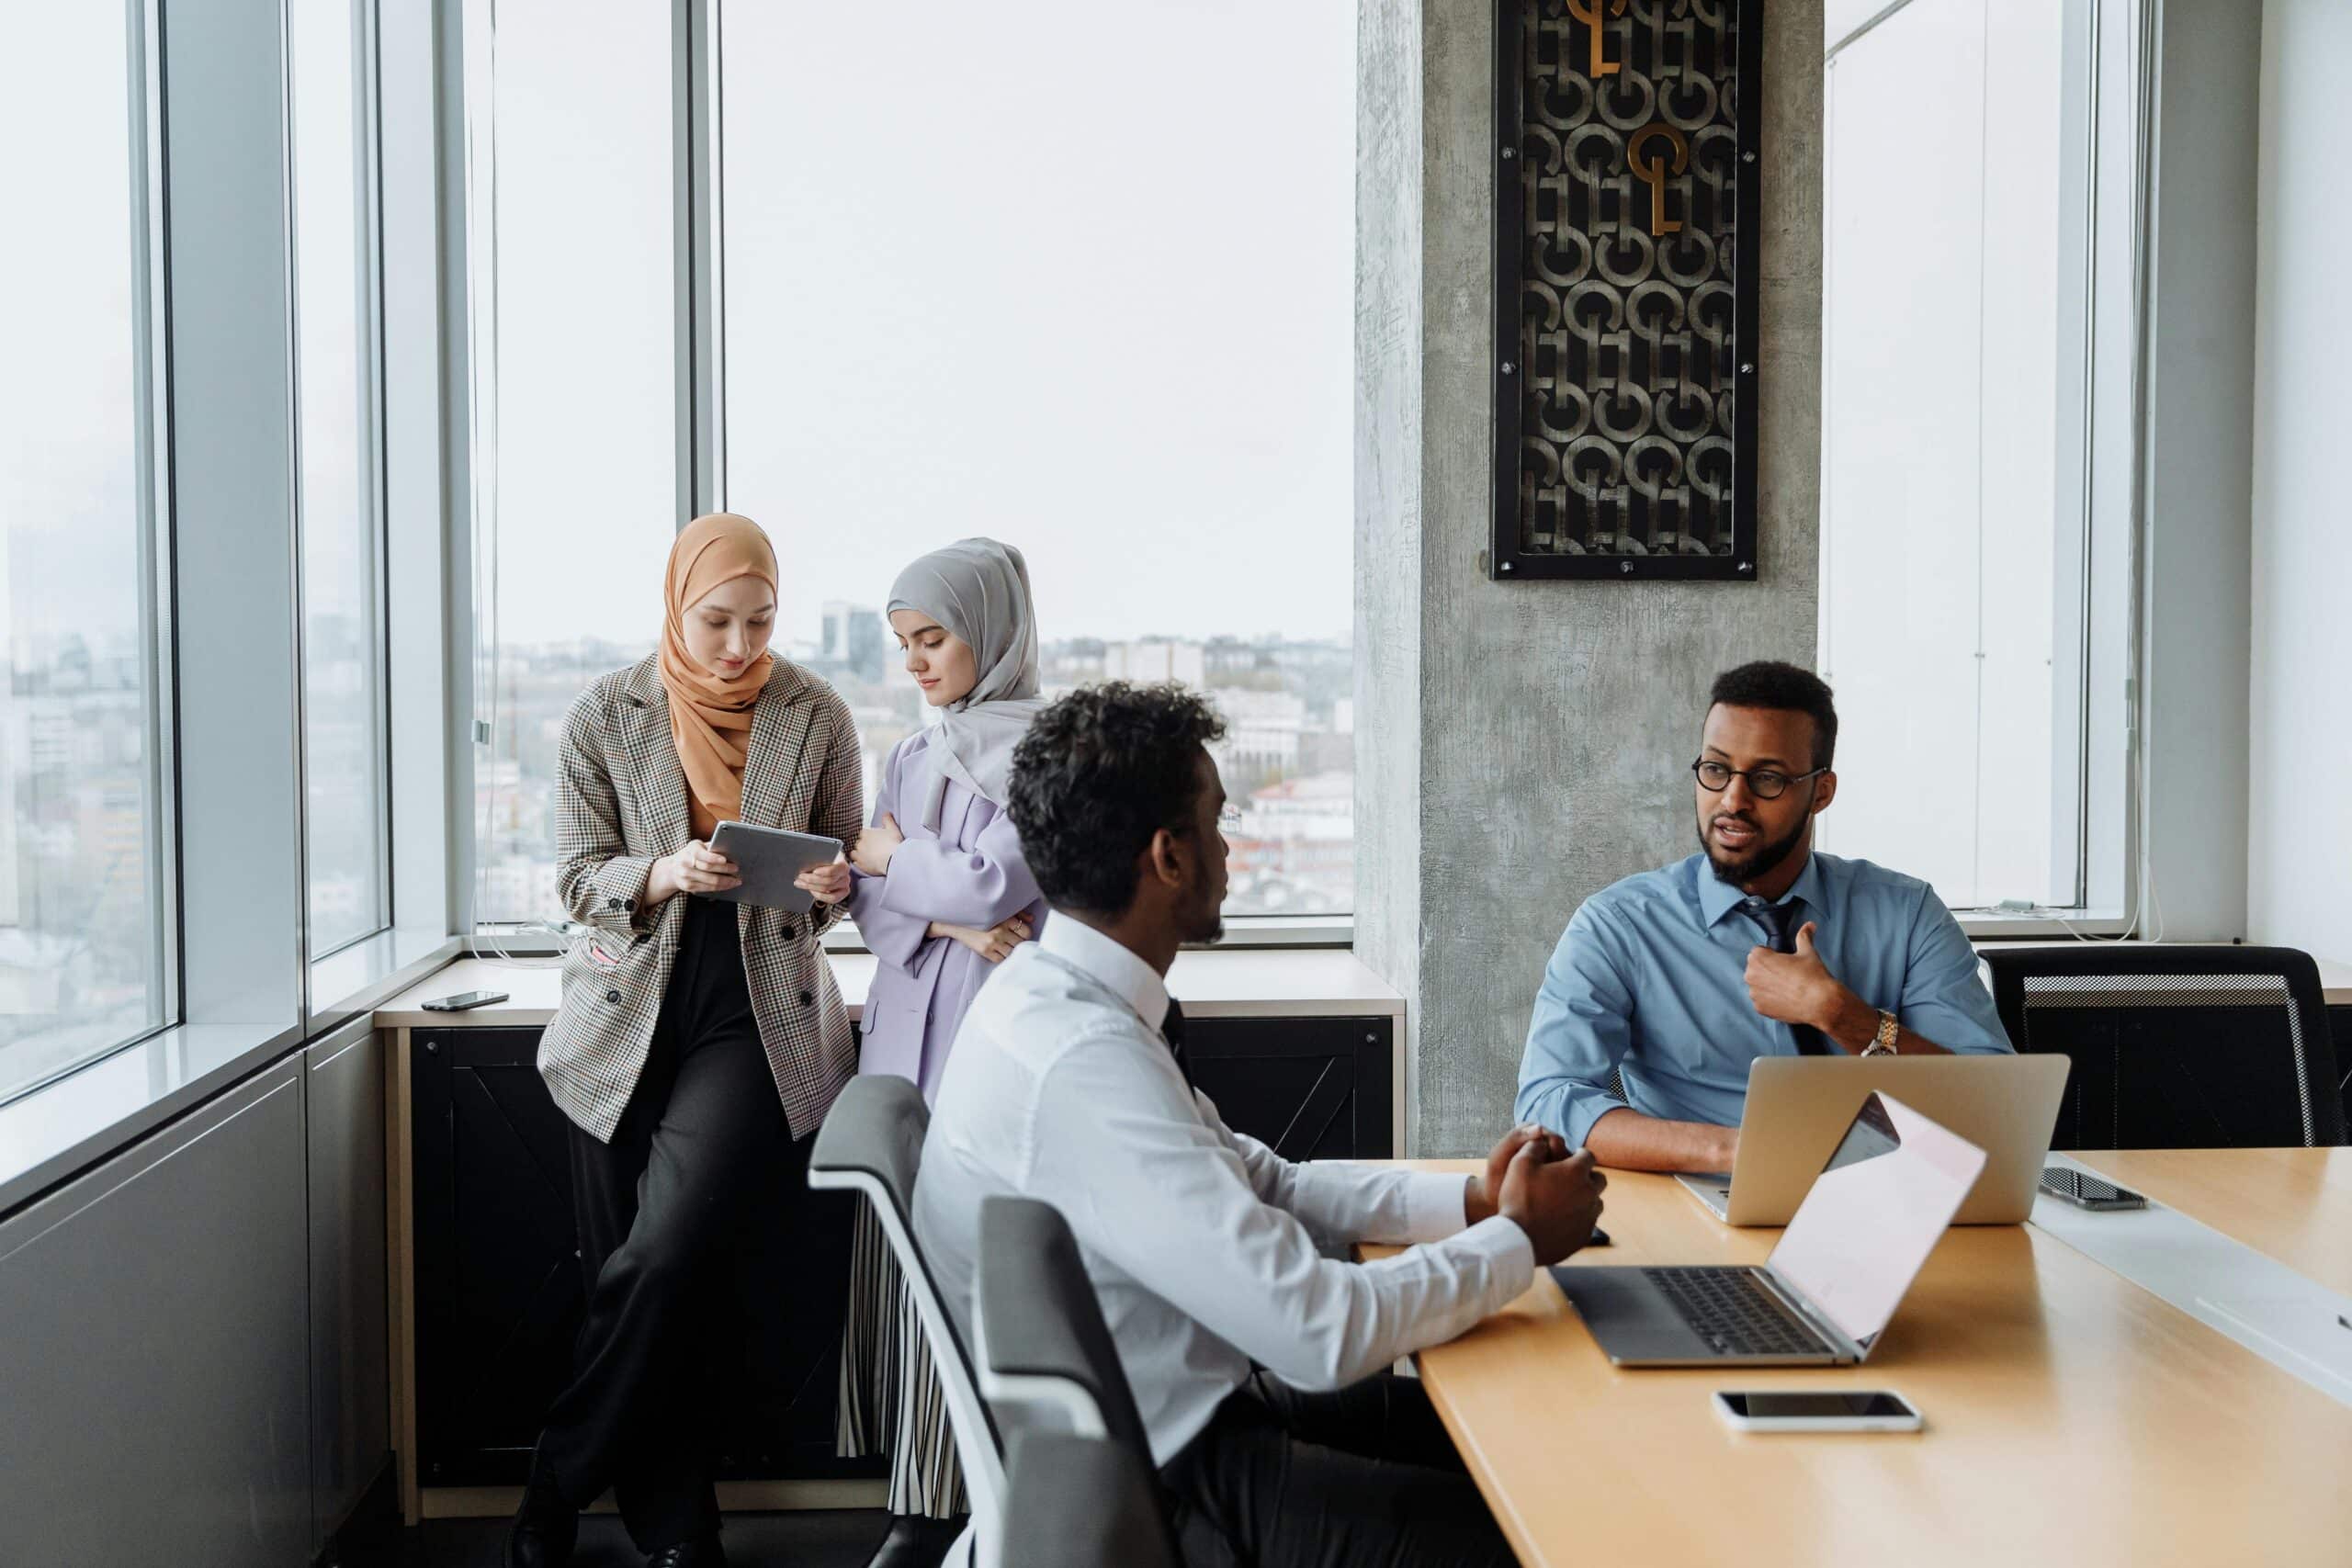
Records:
x=973, y=283
x=573, y=337
x=342, y=712
x=82, y=891
x=979, y=283
x=1964, y=513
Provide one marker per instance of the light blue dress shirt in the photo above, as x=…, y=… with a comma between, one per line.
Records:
x=1650, y=978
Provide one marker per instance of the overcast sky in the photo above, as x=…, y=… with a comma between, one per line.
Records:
x=1075, y=275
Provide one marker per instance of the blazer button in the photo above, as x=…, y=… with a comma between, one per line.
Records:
x=808, y=999
x=612, y=903
x=612, y=996
x=787, y=933
x=630, y=905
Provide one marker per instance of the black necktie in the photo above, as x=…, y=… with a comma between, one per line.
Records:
x=1780, y=922
x=1172, y=1028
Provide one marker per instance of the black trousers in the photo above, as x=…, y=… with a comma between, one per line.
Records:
x=1363, y=1476
x=693, y=1225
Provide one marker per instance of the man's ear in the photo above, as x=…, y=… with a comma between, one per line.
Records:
x=1825, y=790
x=1164, y=858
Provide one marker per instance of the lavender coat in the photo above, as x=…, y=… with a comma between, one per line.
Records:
x=970, y=873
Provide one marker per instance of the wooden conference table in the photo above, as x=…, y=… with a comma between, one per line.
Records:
x=2072, y=1416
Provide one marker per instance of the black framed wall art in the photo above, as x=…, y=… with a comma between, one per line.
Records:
x=1625, y=185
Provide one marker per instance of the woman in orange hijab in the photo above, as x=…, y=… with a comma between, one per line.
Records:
x=699, y=1042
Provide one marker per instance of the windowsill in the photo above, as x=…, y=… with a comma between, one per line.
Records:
x=89, y=1114
x=1243, y=931
x=2001, y=925
x=110, y=1103
x=354, y=979
x=1278, y=982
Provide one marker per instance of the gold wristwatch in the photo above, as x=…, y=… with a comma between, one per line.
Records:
x=1883, y=1043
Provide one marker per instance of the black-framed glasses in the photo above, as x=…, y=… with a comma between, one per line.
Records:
x=1764, y=784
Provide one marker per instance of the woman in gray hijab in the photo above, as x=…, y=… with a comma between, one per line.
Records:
x=941, y=895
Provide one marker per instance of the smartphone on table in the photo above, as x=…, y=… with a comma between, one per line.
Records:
x=2085, y=1190
x=1815, y=1410
x=464, y=1000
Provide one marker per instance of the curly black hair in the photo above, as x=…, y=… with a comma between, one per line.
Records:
x=1100, y=772
x=1769, y=683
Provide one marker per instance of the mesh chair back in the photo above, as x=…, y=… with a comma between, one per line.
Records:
x=1041, y=1324
x=872, y=1142
x=1081, y=1503
x=2176, y=1047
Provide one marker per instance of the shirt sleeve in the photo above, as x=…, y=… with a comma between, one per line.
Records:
x=1345, y=1202
x=1152, y=1187
x=893, y=938
x=1581, y=1029
x=840, y=796
x=978, y=887
x=1945, y=1000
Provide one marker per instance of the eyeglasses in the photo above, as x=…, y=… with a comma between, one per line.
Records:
x=1764, y=784
x=1228, y=820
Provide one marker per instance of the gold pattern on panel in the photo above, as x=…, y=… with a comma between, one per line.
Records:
x=1654, y=173
x=1589, y=12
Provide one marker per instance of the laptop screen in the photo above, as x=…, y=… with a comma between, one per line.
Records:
x=1875, y=1211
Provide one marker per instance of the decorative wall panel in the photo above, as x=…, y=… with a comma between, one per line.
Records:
x=1624, y=288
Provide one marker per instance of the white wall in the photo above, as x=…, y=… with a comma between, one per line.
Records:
x=2300, y=833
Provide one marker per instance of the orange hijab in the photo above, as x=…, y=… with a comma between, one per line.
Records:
x=710, y=715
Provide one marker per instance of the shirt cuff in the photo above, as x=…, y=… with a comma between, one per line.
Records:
x=1436, y=1206
x=1506, y=1247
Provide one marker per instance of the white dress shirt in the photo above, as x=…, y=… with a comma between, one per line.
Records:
x=1202, y=1244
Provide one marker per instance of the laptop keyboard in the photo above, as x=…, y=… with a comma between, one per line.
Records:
x=1734, y=1311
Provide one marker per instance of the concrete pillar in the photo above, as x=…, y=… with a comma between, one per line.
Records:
x=1521, y=745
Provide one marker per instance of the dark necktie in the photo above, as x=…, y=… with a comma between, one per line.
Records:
x=1779, y=925
x=1172, y=1028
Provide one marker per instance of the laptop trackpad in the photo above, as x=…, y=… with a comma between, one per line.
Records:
x=1631, y=1318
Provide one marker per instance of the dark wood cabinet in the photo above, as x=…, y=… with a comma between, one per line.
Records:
x=2339, y=1021
x=1306, y=1087
x=498, y=1285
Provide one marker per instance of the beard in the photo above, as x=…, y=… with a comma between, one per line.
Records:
x=1757, y=862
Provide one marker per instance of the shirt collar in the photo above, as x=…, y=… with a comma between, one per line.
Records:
x=1718, y=898
x=1116, y=966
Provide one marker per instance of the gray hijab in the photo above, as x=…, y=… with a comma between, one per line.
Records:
x=978, y=590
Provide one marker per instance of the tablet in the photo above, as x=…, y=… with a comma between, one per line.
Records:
x=768, y=859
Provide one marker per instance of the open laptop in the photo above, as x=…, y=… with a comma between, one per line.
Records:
x=1876, y=1211
x=1798, y=1107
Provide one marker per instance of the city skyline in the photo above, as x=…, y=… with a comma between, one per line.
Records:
x=1287, y=758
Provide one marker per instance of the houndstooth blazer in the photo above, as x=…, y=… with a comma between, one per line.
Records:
x=621, y=805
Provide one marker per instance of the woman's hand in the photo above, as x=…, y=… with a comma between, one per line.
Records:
x=994, y=944
x=828, y=884
x=697, y=868
x=876, y=845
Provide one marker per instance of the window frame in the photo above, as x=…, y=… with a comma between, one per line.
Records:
x=369, y=197
x=2098, y=796
x=697, y=121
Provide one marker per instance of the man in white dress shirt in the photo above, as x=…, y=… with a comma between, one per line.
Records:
x=1258, y=1363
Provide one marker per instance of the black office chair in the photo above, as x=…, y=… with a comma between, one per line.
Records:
x=871, y=1142
x=1048, y=1362
x=1081, y=1503
x=2183, y=1048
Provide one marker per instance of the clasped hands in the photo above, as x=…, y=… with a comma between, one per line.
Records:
x=1532, y=1180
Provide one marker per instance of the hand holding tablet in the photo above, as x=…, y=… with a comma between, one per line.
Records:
x=776, y=869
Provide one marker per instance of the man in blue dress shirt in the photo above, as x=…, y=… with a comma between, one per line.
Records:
x=1673, y=980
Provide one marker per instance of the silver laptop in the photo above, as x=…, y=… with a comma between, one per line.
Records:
x=1798, y=1107
x=1823, y=1298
